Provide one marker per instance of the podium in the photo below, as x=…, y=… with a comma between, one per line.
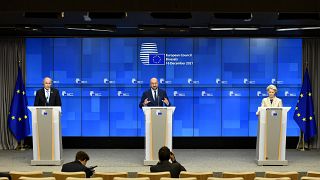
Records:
x=158, y=131
x=271, y=137
x=46, y=135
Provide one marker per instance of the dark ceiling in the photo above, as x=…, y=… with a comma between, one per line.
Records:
x=286, y=18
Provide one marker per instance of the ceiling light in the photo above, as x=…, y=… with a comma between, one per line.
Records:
x=288, y=29
x=89, y=27
x=246, y=29
x=221, y=29
x=310, y=28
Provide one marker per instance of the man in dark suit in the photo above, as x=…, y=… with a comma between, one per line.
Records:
x=154, y=96
x=47, y=96
x=164, y=165
x=79, y=164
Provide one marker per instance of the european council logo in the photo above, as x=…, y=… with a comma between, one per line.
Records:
x=149, y=54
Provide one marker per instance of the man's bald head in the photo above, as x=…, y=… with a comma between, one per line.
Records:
x=47, y=82
x=154, y=83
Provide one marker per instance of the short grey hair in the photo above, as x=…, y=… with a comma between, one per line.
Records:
x=46, y=78
x=273, y=87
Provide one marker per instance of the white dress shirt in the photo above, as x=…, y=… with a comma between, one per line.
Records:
x=47, y=94
x=155, y=94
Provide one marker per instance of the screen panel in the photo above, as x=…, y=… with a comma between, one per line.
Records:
x=263, y=61
x=95, y=62
x=123, y=62
x=235, y=62
x=179, y=61
x=182, y=98
x=207, y=111
x=235, y=104
x=67, y=62
x=95, y=111
x=207, y=62
x=123, y=111
x=71, y=123
x=289, y=62
x=39, y=60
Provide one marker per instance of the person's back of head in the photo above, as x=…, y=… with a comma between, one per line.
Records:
x=164, y=153
x=82, y=156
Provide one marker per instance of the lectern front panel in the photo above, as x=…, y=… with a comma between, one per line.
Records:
x=158, y=131
x=273, y=134
x=45, y=126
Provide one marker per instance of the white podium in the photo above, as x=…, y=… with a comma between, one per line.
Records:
x=158, y=131
x=271, y=137
x=46, y=135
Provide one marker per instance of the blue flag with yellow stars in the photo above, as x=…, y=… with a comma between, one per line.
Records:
x=18, y=119
x=304, y=113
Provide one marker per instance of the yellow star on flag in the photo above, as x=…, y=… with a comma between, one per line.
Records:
x=23, y=92
x=303, y=119
x=310, y=118
x=301, y=95
x=19, y=118
x=297, y=108
x=298, y=114
x=18, y=91
x=309, y=94
x=25, y=116
x=13, y=118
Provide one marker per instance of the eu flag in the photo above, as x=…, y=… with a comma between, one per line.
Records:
x=156, y=59
x=18, y=119
x=304, y=113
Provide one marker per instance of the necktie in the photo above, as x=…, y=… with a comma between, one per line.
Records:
x=155, y=95
x=47, y=96
x=271, y=100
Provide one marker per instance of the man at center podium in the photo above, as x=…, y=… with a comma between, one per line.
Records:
x=154, y=96
x=47, y=96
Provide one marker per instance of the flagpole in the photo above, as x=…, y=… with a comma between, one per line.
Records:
x=21, y=143
x=301, y=137
x=301, y=141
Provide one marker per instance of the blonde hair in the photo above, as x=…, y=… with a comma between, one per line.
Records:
x=273, y=87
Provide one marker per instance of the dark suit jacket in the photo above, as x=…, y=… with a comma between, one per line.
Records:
x=54, y=100
x=158, y=102
x=174, y=168
x=76, y=166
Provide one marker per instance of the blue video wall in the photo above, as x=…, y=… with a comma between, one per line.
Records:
x=216, y=84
